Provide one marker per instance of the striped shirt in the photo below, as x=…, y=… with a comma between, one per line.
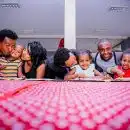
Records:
x=11, y=69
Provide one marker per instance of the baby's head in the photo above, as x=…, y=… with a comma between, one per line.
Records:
x=84, y=59
x=125, y=59
x=17, y=52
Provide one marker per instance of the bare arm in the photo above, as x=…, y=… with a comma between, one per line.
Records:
x=20, y=74
x=40, y=72
x=97, y=73
x=116, y=70
x=71, y=75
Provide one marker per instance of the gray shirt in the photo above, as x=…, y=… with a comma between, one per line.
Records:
x=106, y=64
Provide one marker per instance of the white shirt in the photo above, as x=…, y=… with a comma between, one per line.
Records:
x=89, y=72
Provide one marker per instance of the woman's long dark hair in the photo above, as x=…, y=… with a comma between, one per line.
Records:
x=37, y=53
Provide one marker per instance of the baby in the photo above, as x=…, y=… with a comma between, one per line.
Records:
x=85, y=68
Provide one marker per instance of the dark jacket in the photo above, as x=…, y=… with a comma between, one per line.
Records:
x=53, y=71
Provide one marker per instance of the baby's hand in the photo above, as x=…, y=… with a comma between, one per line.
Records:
x=119, y=73
x=2, y=66
x=1, y=74
x=106, y=77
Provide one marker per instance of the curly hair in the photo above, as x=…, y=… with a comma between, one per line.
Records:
x=37, y=52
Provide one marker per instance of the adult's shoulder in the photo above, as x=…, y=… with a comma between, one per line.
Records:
x=94, y=54
x=118, y=53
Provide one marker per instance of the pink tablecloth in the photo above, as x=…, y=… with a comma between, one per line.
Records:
x=52, y=105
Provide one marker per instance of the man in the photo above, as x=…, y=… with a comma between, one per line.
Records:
x=106, y=57
x=58, y=66
x=7, y=41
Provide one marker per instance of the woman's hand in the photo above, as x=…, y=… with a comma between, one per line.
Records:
x=25, y=55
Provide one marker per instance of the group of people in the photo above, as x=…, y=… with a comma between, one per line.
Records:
x=16, y=61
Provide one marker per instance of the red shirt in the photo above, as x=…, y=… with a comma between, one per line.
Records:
x=126, y=72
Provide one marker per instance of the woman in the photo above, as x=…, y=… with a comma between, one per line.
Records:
x=34, y=60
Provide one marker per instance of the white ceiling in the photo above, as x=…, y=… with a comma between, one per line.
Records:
x=46, y=17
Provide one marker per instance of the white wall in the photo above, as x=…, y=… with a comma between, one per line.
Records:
x=82, y=43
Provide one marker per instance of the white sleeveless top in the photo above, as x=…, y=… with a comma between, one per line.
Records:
x=89, y=72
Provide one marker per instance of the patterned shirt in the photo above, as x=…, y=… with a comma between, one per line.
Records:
x=11, y=68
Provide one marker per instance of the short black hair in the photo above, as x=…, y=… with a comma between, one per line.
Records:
x=103, y=41
x=8, y=33
x=61, y=55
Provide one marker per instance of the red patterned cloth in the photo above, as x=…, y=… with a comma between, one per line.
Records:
x=61, y=43
x=68, y=106
x=126, y=72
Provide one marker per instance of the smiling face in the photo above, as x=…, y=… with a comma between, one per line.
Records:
x=105, y=50
x=17, y=52
x=25, y=55
x=125, y=62
x=84, y=61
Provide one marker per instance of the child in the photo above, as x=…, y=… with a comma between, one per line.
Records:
x=123, y=70
x=13, y=64
x=85, y=68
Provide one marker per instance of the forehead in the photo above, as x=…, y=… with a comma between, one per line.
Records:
x=19, y=47
x=84, y=56
x=9, y=41
x=106, y=44
x=126, y=55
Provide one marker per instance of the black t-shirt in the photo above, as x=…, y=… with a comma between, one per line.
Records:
x=53, y=71
x=32, y=73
